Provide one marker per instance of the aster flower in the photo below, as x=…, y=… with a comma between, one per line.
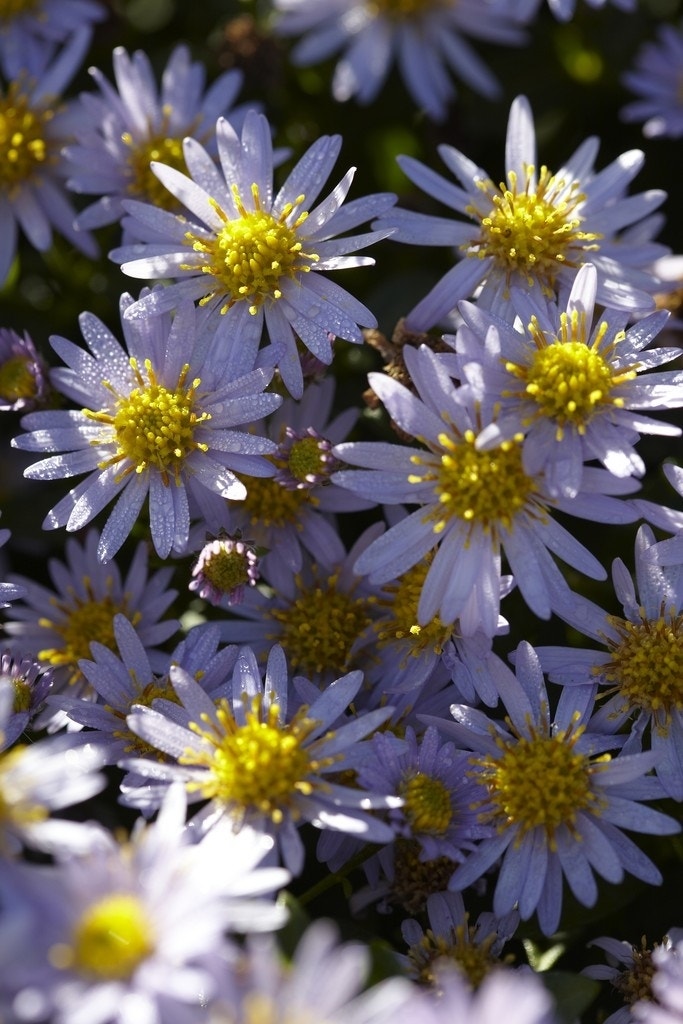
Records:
x=24, y=381
x=258, y=759
x=157, y=421
x=513, y=996
x=121, y=678
x=629, y=970
x=319, y=616
x=224, y=567
x=570, y=388
x=472, y=505
x=248, y=254
x=437, y=822
x=571, y=826
x=31, y=33
x=60, y=622
x=428, y=41
x=135, y=121
x=656, y=80
x=285, y=993
x=666, y=1001
x=133, y=930
x=640, y=660
x=535, y=229
x=36, y=780
x=473, y=950
x=294, y=511
x=32, y=171
x=29, y=682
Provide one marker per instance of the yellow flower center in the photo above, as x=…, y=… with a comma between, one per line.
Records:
x=635, y=983
x=250, y=255
x=567, y=379
x=16, y=379
x=320, y=626
x=539, y=782
x=84, y=620
x=144, y=183
x=261, y=766
x=22, y=695
x=226, y=570
x=414, y=879
x=305, y=459
x=110, y=939
x=403, y=8
x=268, y=503
x=485, y=487
x=532, y=229
x=646, y=665
x=427, y=804
x=11, y=8
x=14, y=809
x=24, y=150
x=472, y=959
x=400, y=621
x=154, y=426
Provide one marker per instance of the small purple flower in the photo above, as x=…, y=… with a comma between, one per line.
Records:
x=656, y=80
x=24, y=381
x=224, y=567
x=29, y=682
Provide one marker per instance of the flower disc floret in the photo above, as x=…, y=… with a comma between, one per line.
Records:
x=471, y=958
x=532, y=228
x=250, y=255
x=85, y=621
x=154, y=425
x=143, y=182
x=18, y=378
x=262, y=765
x=400, y=623
x=23, y=146
x=646, y=664
x=539, y=781
x=110, y=940
x=427, y=804
x=270, y=503
x=319, y=628
x=488, y=488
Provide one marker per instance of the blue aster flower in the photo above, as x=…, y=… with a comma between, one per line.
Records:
x=24, y=383
x=58, y=619
x=535, y=229
x=135, y=121
x=471, y=505
x=655, y=78
x=261, y=758
x=571, y=387
x=429, y=41
x=154, y=421
x=32, y=32
x=29, y=682
x=630, y=971
x=556, y=798
x=252, y=256
x=640, y=660
x=37, y=124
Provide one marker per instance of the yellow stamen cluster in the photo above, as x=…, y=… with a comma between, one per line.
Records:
x=305, y=459
x=251, y=254
x=268, y=503
x=110, y=939
x=17, y=379
x=24, y=149
x=226, y=569
x=259, y=767
x=569, y=380
x=427, y=804
x=154, y=426
x=403, y=8
x=320, y=626
x=473, y=960
x=400, y=621
x=539, y=781
x=646, y=665
x=635, y=983
x=82, y=620
x=532, y=229
x=11, y=8
x=143, y=183
x=486, y=488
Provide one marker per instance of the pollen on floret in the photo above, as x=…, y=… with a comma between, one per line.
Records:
x=471, y=958
x=427, y=804
x=161, y=148
x=153, y=426
x=531, y=229
x=320, y=626
x=24, y=147
x=398, y=620
x=646, y=665
x=253, y=252
x=226, y=565
x=259, y=767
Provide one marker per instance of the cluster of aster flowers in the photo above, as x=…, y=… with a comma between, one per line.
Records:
x=294, y=690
